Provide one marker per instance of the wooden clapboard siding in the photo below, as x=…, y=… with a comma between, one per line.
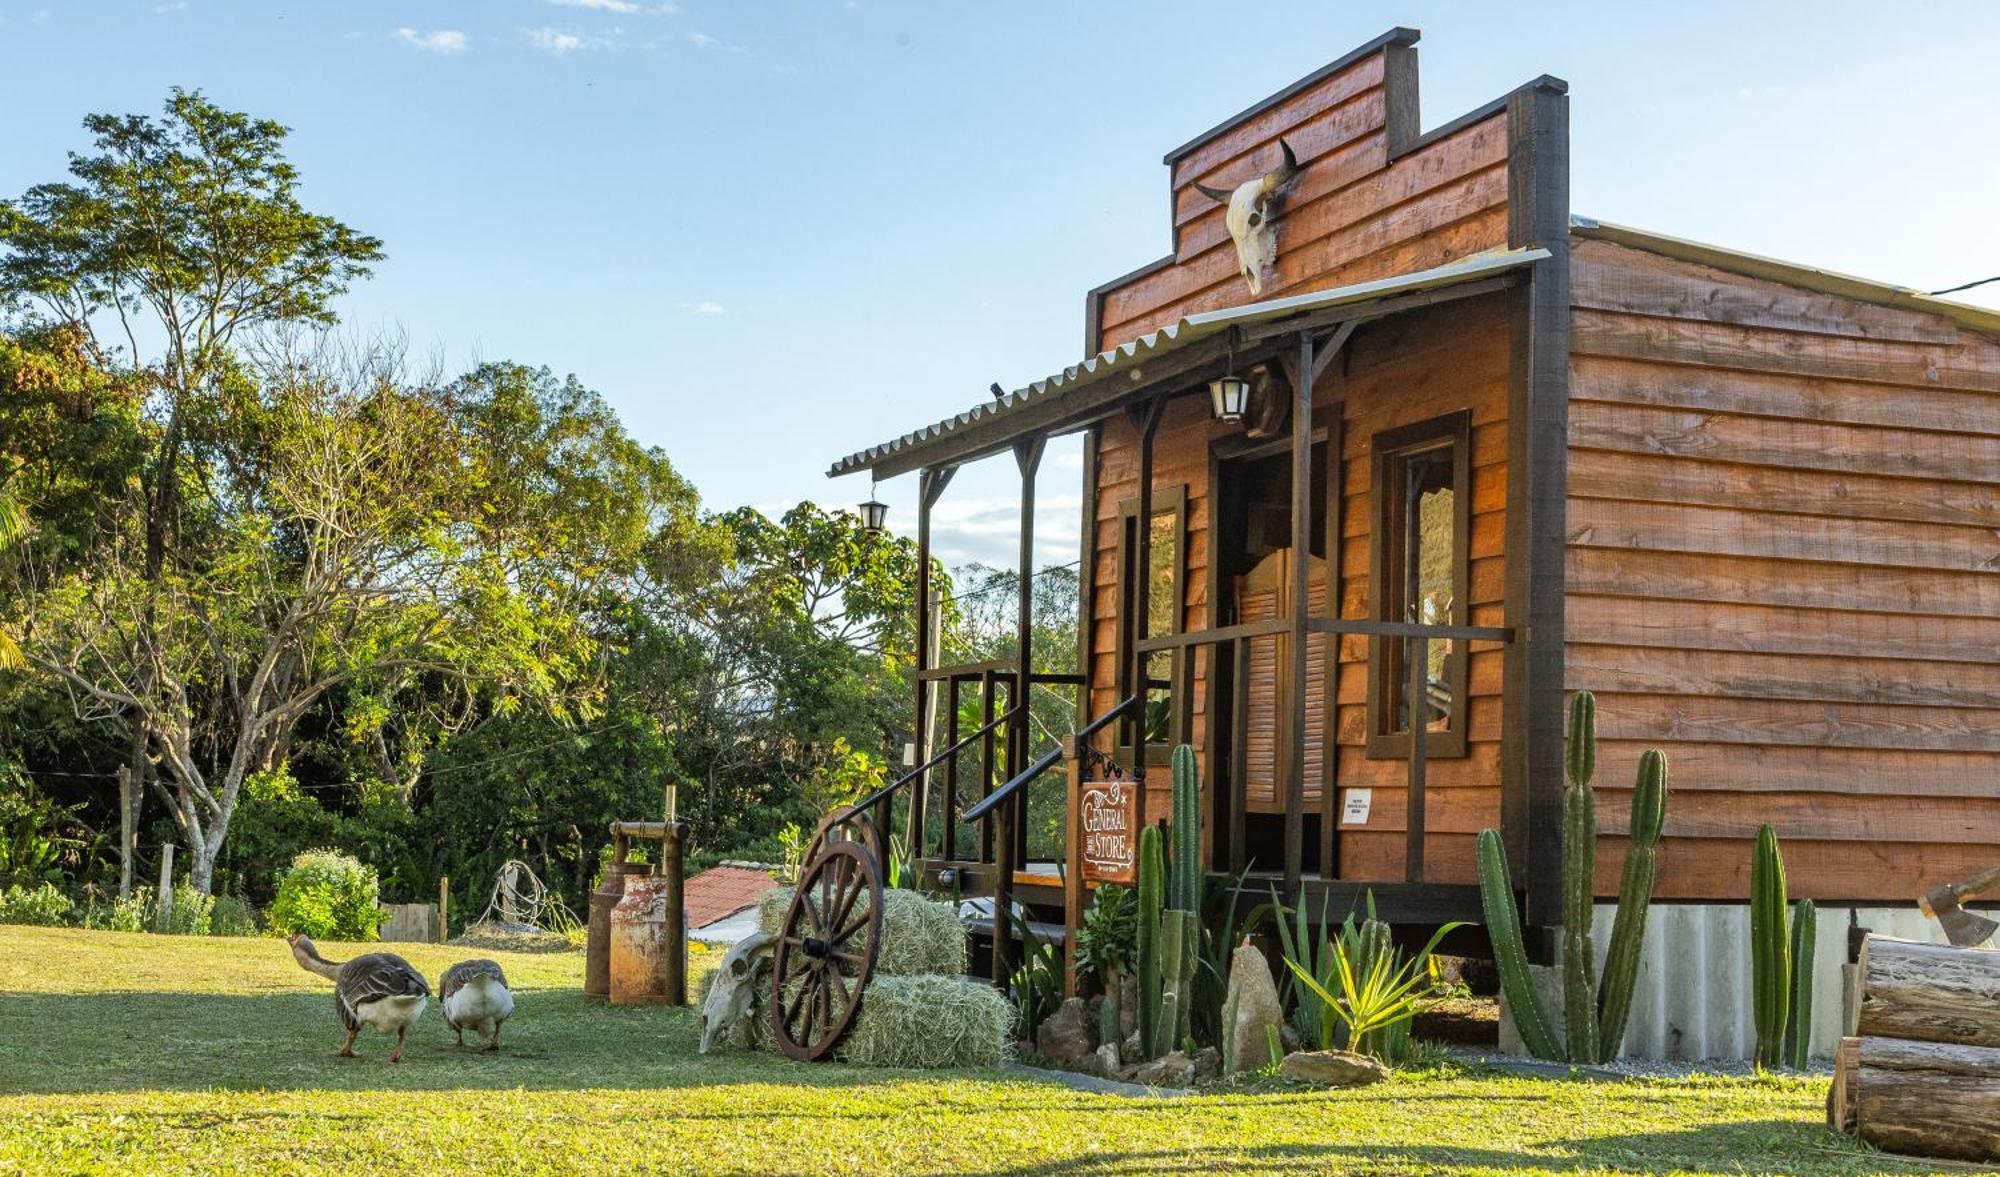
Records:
x=1784, y=570
x=1412, y=369
x=1355, y=212
x=1397, y=372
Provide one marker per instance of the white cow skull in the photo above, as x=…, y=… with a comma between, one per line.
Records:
x=733, y=994
x=1249, y=218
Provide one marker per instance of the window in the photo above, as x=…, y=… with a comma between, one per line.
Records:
x=1163, y=584
x=1421, y=567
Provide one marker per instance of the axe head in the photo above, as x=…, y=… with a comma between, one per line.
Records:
x=1963, y=928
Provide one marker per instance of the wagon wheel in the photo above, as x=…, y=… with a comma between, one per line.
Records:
x=846, y=824
x=826, y=951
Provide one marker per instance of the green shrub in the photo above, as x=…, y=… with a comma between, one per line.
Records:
x=132, y=914
x=192, y=912
x=233, y=916
x=327, y=895
x=43, y=906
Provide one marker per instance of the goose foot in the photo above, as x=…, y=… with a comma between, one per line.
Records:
x=347, y=1047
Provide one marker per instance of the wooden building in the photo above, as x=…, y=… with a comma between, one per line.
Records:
x=1493, y=453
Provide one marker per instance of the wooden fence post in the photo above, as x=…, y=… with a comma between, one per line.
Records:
x=444, y=909
x=163, y=909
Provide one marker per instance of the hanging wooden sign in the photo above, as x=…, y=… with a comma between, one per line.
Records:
x=1108, y=821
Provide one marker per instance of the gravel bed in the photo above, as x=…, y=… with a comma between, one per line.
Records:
x=1631, y=1068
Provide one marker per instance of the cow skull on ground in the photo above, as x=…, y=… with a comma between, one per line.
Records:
x=733, y=994
x=1249, y=218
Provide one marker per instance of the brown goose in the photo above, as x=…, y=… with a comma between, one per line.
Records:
x=377, y=989
x=474, y=996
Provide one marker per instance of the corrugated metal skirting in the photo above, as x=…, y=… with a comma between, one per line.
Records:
x=1692, y=1000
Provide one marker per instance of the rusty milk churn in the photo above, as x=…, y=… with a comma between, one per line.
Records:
x=640, y=943
x=597, y=945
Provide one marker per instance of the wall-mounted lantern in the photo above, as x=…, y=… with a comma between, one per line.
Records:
x=1229, y=394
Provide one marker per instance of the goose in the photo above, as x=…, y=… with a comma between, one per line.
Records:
x=377, y=989
x=473, y=995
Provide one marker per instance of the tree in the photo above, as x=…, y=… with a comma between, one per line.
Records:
x=186, y=229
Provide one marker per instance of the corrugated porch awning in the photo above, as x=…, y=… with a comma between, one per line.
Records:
x=1084, y=392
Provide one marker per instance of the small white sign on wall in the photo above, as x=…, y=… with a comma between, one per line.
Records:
x=1354, y=808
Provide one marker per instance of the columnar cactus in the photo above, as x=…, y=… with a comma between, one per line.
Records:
x=1799, y=1026
x=1595, y=1009
x=1503, y=928
x=1770, y=950
x=1185, y=826
x=1152, y=895
x=1579, y=873
x=1635, y=893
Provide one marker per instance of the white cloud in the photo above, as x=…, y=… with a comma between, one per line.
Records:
x=434, y=40
x=625, y=6
x=176, y=6
x=553, y=40
x=704, y=41
x=706, y=307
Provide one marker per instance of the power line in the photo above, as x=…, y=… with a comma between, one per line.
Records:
x=1966, y=286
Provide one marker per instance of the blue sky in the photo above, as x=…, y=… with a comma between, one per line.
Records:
x=774, y=233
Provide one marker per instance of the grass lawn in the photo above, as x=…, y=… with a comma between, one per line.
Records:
x=141, y=1054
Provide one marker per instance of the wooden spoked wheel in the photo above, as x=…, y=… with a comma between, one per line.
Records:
x=846, y=824
x=826, y=951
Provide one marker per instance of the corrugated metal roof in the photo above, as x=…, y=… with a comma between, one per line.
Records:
x=1789, y=273
x=1177, y=335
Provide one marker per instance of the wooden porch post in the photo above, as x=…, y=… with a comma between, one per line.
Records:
x=930, y=486
x=1146, y=417
x=1292, y=731
x=1028, y=456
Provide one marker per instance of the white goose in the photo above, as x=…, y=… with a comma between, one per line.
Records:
x=474, y=996
x=377, y=989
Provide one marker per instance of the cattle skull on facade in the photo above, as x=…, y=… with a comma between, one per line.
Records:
x=732, y=996
x=1249, y=218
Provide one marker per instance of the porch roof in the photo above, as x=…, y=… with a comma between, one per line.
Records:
x=1083, y=392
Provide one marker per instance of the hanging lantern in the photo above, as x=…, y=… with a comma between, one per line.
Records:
x=1230, y=397
x=874, y=513
x=1229, y=394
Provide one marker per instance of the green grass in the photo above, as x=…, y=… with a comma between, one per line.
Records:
x=143, y=1054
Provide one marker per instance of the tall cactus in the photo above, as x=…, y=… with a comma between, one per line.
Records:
x=1595, y=1008
x=1579, y=872
x=1799, y=1026
x=1635, y=893
x=1152, y=897
x=1185, y=826
x=1770, y=951
x=1503, y=928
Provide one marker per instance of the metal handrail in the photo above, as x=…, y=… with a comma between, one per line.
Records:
x=888, y=790
x=1048, y=760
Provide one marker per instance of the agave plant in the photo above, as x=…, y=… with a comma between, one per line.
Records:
x=1377, y=996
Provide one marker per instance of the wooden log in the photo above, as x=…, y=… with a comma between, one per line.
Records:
x=1840, y=1114
x=1929, y=1099
x=1930, y=993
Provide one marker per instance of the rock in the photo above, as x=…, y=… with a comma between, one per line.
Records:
x=1207, y=1063
x=1106, y=1061
x=1255, y=1000
x=1128, y=1005
x=1067, y=1039
x=1131, y=1047
x=1547, y=981
x=1288, y=1038
x=1333, y=1068
x=1172, y=1069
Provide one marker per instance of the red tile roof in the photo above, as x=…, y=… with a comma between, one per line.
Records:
x=722, y=891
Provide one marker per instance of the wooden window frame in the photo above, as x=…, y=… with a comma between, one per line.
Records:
x=1172, y=499
x=1388, y=448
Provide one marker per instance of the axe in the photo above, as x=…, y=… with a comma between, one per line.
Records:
x=1962, y=927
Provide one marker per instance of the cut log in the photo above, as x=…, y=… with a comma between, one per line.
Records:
x=1929, y=992
x=1930, y=1099
x=1840, y=1099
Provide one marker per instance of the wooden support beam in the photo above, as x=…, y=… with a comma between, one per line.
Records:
x=930, y=486
x=1146, y=419
x=1416, y=701
x=1292, y=730
x=1009, y=838
x=1537, y=483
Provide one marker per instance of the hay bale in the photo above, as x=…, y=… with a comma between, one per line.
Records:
x=927, y=1021
x=920, y=937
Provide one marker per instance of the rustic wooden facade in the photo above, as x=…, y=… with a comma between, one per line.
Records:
x=1498, y=454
